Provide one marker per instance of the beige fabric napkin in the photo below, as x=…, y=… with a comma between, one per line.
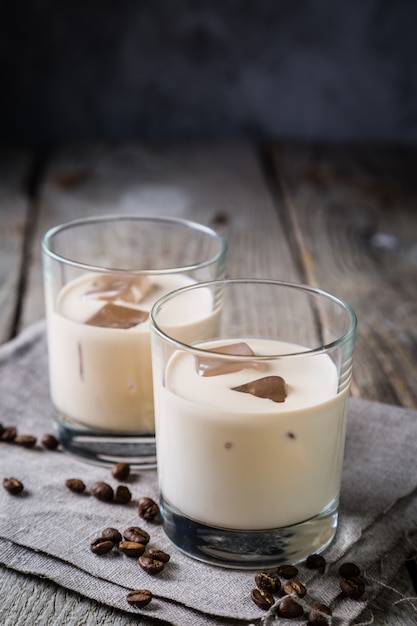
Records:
x=46, y=531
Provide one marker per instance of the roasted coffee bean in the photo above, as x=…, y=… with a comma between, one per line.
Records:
x=26, y=441
x=139, y=597
x=289, y=608
x=131, y=548
x=148, y=509
x=113, y=534
x=316, y=561
x=13, y=485
x=122, y=494
x=295, y=588
x=49, y=441
x=349, y=570
x=102, y=491
x=262, y=598
x=353, y=587
x=120, y=471
x=134, y=533
x=101, y=545
x=287, y=571
x=159, y=555
x=268, y=581
x=75, y=484
x=150, y=566
x=319, y=615
x=9, y=434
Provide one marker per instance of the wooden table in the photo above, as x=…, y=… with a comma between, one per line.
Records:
x=336, y=216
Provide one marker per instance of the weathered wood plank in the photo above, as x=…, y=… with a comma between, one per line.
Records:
x=13, y=221
x=353, y=218
x=218, y=185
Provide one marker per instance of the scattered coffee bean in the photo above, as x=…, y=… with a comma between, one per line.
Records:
x=113, y=534
x=287, y=571
x=319, y=615
x=8, y=434
x=316, y=561
x=122, y=494
x=262, y=598
x=102, y=491
x=101, y=545
x=268, y=581
x=150, y=566
x=26, y=441
x=134, y=533
x=75, y=484
x=289, y=608
x=353, y=587
x=120, y=471
x=50, y=442
x=13, y=485
x=295, y=588
x=132, y=548
x=159, y=555
x=148, y=509
x=139, y=597
x=347, y=570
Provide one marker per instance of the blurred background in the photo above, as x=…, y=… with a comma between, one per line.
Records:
x=315, y=69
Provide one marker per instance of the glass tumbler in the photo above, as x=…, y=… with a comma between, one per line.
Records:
x=250, y=408
x=101, y=277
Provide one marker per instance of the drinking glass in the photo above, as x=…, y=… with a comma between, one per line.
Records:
x=101, y=277
x=250, y=409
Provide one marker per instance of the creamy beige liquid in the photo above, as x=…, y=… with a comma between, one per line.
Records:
x=234, y=460
x=102, y=377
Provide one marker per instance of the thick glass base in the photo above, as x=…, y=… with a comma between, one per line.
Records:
x=250, y=549
x=105, y=449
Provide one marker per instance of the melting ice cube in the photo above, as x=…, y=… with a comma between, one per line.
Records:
x=214, y=366
x=115, y=316
x=117, y=287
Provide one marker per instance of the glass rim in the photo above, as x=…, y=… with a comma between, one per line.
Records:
x=124, y=217
x=196, y=351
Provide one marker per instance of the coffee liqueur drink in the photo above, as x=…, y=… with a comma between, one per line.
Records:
x=99, y=348
x=231, y=459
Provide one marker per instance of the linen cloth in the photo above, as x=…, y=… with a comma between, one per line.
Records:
x=46, y=531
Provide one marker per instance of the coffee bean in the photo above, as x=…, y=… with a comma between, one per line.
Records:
x=353, y=587
x=148, y=509
x=102, y=491
x=319, y=615
x=120, y=471
x=13, y=485
x=289, y=608
x=139, y=597
x=101, y=545
x=262, y=598
x=75, y=484
x=347, y=570
x=159, y=555
x=131, y=548
x=134, y=533
x=295, y=588
x=122, y=494
x=287, y=571
x=8, y=434
x=26, y=441
x=316, y=561
x=268, y=581
x=150, y=566
x=113, y=534
x=49, y=441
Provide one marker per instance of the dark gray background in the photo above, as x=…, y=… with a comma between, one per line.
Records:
x=329, y=69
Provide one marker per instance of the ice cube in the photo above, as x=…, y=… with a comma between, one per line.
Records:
x=271, y=387
x=212, y=366
x=116, y=316
x=117, y=287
